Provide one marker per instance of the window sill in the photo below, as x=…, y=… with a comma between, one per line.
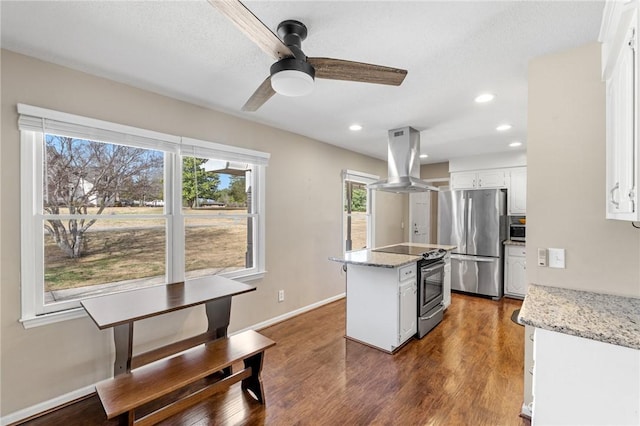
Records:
x=74, y=313
x=52, y=318
x=250, y=277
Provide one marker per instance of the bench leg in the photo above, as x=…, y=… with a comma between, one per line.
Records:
x=253, y=382
x=126, y=419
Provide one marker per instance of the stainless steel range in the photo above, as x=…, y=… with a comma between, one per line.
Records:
x=430, y=291
x=430, y=284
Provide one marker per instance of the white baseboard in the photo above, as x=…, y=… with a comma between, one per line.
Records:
x=526, y=410
x=80, y=393
x=280, y=318
x=47, y=405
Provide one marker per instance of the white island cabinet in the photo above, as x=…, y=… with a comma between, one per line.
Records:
x=382, y=294
x=382, y=305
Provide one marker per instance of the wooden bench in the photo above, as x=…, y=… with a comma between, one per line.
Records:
x=164, y=371
x=123, y=394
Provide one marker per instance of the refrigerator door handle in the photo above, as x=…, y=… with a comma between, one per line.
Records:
x=469, y=210
x=473, y=258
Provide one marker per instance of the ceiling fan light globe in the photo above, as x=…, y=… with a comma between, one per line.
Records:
x=292, y=83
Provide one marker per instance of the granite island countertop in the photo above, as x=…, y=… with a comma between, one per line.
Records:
x=368, y=257
x=601, y=317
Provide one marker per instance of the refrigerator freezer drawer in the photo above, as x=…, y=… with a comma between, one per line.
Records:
x=476, y=274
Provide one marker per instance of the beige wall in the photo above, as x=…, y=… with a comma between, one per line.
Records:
x=566, y=179
x=566, y=182
x=303, y=220
x=435, y=171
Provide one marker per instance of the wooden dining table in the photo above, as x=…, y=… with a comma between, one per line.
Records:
x=121, y=310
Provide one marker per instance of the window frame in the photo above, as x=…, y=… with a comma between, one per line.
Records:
x=35, y=122
x=366, y=179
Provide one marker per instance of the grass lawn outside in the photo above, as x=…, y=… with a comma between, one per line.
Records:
x=122, y=250
x=125, y=253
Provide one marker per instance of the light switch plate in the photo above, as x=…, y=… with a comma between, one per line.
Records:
x=556, y=258
x=542, y=257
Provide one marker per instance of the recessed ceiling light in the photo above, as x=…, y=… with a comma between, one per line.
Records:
x=503, y=127
x=424, y=155
x=485, y=97
x=355, y=127
x=515, y=144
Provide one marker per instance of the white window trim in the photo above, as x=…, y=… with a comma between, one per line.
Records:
x=364, y=178
x=34, y=122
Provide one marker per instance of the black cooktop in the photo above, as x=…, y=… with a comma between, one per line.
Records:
x=402, y=249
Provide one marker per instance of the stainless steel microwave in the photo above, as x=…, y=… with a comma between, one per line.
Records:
x=517, y=232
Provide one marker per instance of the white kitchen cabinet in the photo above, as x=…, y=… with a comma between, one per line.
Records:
x=482, y=179
x=620, y=71
x=408, y=311
x=578, y=381
x=517, y=200
x=515, y=269
x=382, y=305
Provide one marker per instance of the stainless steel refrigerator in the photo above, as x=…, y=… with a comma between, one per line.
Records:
x=475, y=222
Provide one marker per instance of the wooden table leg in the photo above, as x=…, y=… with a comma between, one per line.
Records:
x=218, y=313
x=123, y=339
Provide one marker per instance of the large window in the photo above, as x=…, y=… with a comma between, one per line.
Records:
x=357, y=229
x=108, y=208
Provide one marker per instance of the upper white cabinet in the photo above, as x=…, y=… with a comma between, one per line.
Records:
x=620, y=71
x=517, y=197
x=514, y=179
x=479, y=180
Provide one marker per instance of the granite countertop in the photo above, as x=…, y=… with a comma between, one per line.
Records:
x=367, y=257
x=513, y=243
x=602, y=317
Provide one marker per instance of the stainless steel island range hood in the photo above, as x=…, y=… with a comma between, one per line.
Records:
x=403, y=163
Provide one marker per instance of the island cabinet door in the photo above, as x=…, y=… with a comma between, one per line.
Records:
x=408, y=311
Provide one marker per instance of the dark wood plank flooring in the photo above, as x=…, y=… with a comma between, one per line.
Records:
x=467, y=371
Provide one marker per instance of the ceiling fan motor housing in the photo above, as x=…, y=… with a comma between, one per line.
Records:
x=293, y=64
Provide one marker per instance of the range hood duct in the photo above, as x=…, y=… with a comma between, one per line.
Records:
x=403, y=163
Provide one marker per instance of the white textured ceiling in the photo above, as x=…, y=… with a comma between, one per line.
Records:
x=452, y=50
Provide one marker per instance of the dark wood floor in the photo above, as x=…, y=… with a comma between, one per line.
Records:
x=467, y=371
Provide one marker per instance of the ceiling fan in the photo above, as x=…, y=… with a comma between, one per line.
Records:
x=293, y=74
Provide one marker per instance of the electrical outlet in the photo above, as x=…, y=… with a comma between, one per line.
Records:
x=280, y=295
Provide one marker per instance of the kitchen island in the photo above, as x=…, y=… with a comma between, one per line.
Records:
x=382, y=306
x=586, y=356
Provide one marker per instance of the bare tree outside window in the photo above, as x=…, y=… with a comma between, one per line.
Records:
x=82, y=174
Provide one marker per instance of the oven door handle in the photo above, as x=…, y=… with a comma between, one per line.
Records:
x=473, y=258
x=433, y=314
x=432, y=267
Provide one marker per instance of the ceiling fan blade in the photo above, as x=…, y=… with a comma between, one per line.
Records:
x=338, y=69
x=252, y=27
x=260, y=96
